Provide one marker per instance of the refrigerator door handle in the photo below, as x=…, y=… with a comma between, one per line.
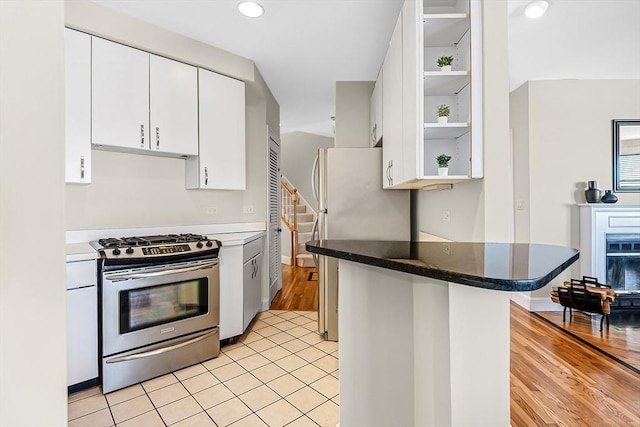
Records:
x=314, y=231
x=314, y=175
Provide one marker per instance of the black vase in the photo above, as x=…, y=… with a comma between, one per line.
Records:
x=609, y=197
x=592, y=194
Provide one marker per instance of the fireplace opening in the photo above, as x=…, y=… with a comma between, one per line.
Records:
x=623, y=268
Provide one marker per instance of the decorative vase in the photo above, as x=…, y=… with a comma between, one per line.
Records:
x=443, y=171
x=445, y=68
x=609, y=197
x=592, y=194
x=443, y=119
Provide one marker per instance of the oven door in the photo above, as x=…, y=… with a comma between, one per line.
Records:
x=143, y=306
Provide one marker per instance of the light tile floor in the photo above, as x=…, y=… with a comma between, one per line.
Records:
x=280, y=373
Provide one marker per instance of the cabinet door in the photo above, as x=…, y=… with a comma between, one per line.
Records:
x=120, y=95
x=375, y=112
x=221, y=159
x=82, y=334
x=392, y=107
x=77, y=80
x=231, y=289
x=252, y=292
x=173, y=98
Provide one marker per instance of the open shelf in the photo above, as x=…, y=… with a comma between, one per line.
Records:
x=445, y=83
x=444, y=29
x=445, y=130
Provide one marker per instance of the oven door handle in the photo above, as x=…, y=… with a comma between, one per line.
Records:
x=156, y=273
x=160, y=350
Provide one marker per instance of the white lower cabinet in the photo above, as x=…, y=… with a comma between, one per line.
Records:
x=240, y=286
x=252, y=285
x=82, y=322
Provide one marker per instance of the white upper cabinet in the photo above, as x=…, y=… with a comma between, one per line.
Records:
x=221, y=160
x=120, y=96
x=375, y=112
x=431, y=30
x=173, y=93
x=77, y=56
x=142, y=102
x=392, y=110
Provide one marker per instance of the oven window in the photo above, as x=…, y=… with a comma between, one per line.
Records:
x=152, y=306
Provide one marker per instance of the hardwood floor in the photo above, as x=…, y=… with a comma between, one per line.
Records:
x=298, y=292
x=556, y=380
x=622, y=344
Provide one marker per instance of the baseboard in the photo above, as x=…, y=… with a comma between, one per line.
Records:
x=524, y=299
x=286, y=260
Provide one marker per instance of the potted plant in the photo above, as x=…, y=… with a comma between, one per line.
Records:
x=444, y=62
x=443, y=164
x=443, y=113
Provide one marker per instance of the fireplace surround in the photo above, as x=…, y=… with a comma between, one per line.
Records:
x=610, y=249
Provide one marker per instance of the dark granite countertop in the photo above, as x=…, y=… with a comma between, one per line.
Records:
x=501, y=266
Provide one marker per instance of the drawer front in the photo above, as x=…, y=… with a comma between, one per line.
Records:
x=252, y=249
x=81, y=273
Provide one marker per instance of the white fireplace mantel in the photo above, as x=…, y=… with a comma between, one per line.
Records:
x=596, y=221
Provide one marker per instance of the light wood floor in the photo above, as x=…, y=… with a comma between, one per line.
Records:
x=298, y=292
x=556, y=380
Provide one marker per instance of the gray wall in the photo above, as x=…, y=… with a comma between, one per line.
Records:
x=298, y=152
x=352, y=113
x=153, y=187
x=562, y=131
x=33, y=369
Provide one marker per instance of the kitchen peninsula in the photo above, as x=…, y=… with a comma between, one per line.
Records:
x=424, y=327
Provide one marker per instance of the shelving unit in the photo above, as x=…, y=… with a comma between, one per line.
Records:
x=412, y=137
x=448, y=32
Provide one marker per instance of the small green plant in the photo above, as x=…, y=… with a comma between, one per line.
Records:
x=445, y=60
x=443, y=110
x=443, y=160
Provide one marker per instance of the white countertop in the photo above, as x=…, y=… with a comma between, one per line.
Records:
x=233, y=239
x=80, y=252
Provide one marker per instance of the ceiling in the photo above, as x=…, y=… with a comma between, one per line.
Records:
x=302, y=47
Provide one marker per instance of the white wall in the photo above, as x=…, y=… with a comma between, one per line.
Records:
x=481, y=210
x=569, y=143
x=352, y=113
x=32, y=277
x=153, y=188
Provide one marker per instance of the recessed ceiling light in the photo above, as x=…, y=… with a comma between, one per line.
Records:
x=536, y=9
x=250, y=9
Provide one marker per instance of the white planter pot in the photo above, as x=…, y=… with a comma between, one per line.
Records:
x=445, y=69
x=443, y=171
x=443, y=120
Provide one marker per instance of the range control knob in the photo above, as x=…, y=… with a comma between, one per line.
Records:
x=116, y=251
x=129, y=251
x=199, y=244
x=209, y=244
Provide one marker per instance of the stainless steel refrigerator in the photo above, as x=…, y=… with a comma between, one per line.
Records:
x=347, y=184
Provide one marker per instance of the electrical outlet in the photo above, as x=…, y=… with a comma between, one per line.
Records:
x=248, y=209
x=446, y=216
x=211, y=210
x=446, y=248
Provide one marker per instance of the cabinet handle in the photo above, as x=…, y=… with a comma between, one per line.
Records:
x=391, y=172
x=142, y=136
x=373, y=132
x=157, y=138
x=81, y=168
x=206, y=176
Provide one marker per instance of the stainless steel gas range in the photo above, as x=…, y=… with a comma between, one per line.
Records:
x=159, y=305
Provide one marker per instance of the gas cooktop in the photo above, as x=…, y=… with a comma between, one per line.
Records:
x=146, y=247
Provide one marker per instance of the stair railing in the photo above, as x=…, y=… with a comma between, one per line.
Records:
x=290, y=199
